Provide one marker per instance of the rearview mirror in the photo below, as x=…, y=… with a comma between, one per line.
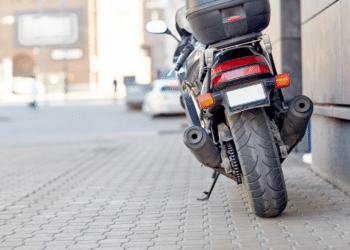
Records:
x=156, y=27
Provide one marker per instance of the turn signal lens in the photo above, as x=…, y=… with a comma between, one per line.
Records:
x=206, y=100
x=160, y=98
x=282, y=81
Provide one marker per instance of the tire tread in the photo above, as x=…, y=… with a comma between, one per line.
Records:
x=261, y=167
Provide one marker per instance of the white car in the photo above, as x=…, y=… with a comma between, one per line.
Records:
x=24, y=85
x=163, y=99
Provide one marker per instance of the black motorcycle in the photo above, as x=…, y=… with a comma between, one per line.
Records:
x=241, y=125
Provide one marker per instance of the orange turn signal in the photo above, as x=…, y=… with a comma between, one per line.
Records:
x=206, y=100
x=173, y=84
x=282, y=81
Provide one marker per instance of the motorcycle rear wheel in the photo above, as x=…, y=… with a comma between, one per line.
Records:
x=262, y=177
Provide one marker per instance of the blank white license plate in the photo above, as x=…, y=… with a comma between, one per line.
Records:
x=246, y=95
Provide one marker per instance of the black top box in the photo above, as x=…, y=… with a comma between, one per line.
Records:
x=214, y=20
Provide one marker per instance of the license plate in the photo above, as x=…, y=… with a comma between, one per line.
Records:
x=246, y=95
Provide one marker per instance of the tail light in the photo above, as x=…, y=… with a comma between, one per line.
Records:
x=240, y=69
x=237, y=63
x=240, y=73
x=282, y=81
x=206, y=100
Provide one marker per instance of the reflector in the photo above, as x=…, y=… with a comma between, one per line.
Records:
x=239, y=73
x=233, y=18
x=206, y=100
x=282, y=81
x=237, y=63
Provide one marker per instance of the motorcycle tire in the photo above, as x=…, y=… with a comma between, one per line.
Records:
x=257, y=153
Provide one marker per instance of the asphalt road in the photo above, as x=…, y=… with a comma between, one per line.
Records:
x=78, y=119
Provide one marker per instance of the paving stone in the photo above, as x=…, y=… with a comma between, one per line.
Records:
x=137, y=244
x=83, y=246
x=169, y=247
x=109, y=248
x=313, y=246
x=29, y=248
x=101, y=197
x=113, y=241
x=11, y=244
x=193, y=242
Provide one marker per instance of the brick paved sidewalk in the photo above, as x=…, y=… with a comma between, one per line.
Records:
x=139, y=192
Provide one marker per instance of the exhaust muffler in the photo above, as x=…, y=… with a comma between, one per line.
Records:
x=296, y=121
x=202, y=147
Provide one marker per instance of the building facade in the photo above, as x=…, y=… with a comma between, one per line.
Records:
x=86, y=44
x=326, y=76
x=120, y=53
x=46, y=37
x=161, y=47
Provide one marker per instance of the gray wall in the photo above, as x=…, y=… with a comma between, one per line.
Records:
x=285, y=34
x=326, y=76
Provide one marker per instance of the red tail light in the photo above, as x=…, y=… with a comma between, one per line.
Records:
x=206, y=101
x=237, y=63
x=239, y=73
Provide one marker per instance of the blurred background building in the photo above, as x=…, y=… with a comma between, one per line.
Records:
x=74, y=46
x=84, y=45
x=46, y=40
x=161, y=47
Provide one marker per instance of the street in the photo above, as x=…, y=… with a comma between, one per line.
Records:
x=90, y=175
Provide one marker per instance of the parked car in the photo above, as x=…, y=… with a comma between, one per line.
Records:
x=135, y=95
x=24, y=85
x=163, y=99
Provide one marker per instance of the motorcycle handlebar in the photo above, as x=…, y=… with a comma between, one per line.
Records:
x=183, y=56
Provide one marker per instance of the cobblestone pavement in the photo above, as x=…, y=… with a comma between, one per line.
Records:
x=138, y=191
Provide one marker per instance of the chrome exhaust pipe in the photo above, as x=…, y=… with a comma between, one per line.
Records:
x=202, y=147
x=297, y=119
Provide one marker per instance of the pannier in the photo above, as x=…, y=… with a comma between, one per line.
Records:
x=215, y=20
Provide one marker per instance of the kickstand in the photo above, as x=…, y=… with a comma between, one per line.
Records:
x=215, y=176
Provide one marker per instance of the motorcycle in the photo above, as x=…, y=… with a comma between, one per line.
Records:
x=241, y=127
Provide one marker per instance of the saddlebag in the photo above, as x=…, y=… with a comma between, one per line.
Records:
x=215, y=20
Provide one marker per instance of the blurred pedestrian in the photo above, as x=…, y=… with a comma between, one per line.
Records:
x=34, y=92
x=115, y=86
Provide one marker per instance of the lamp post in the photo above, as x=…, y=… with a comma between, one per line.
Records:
x=43, y=64
x=64, y=49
